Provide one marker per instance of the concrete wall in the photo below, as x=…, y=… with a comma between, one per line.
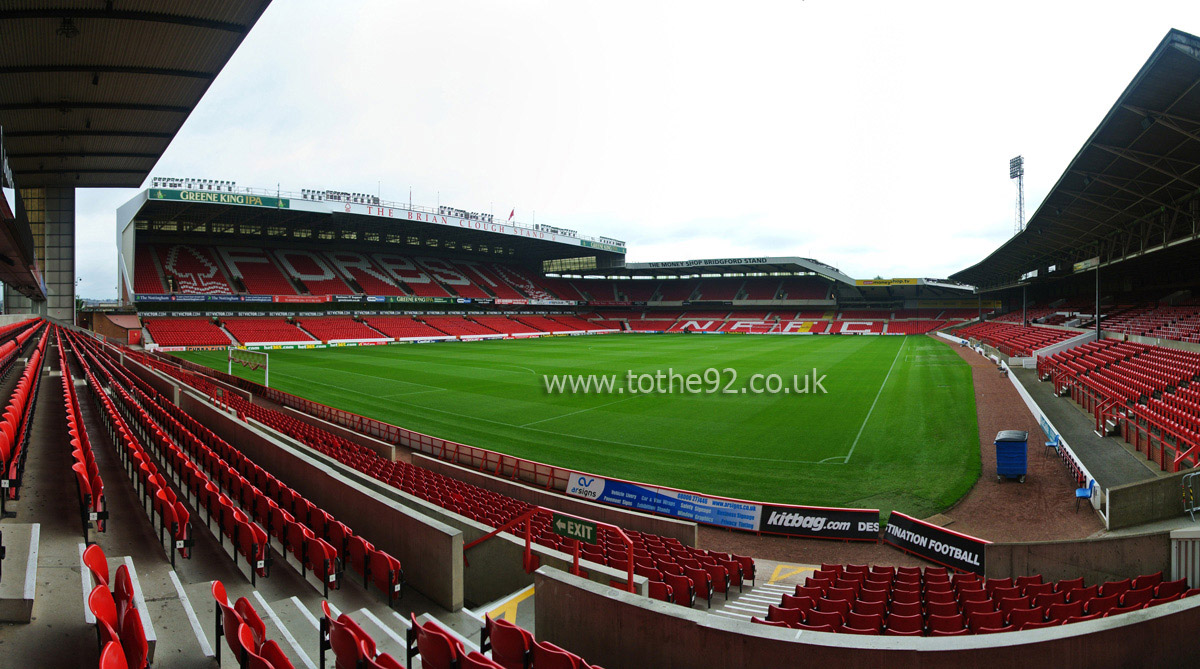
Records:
x=429, y=551
x=685, y=531
x=1146, y=501
x=493, y=568
x=9, y=319
x=427, y=539
x=1096, y=560
x=489, y=571
x=620, y=631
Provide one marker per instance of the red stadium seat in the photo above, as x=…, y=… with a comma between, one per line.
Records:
x=113, y=657
x=980, y=620
x=511, y=646
x=946, y=625
x=833, y=619
x=786, y=616
x=1019, y=618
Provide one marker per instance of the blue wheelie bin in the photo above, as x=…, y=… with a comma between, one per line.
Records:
x=1011, y=455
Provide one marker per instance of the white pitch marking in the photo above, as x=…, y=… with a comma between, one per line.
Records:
x=601, y=406
x=877, y=395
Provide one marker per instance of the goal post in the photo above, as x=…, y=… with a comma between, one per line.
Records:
x=253, y=360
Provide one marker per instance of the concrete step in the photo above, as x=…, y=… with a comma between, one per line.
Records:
x=390, y=631
x=289, y=629
x=18, y=586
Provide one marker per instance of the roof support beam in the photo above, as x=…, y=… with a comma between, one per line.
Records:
x=1086, y=197
x=1108, y=181
x=66, y=106
x=107, y=69
x=88, y=133
x=122, y=15
x=80, y=154
x=82, y=171
x=1167, y=120
x=1133, y=158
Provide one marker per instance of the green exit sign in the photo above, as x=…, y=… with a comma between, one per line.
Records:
x=573, y=528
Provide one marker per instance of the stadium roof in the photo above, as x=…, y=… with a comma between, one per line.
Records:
x=736, y=266
x=278, y=216
x=93, y=91
x=1130, y=190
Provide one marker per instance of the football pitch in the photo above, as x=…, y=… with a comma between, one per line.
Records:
x=895, y=429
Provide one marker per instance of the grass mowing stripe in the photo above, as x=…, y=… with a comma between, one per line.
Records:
x=874, y=402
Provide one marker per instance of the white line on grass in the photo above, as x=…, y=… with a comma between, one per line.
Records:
x=599, y=406
x=414, y=392
x=872, y=409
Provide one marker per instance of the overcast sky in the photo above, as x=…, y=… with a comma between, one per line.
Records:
x=874, y=136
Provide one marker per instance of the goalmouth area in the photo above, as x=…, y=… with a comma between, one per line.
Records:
x=896, y=427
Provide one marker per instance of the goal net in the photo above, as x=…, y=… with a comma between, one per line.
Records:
x=251, y=360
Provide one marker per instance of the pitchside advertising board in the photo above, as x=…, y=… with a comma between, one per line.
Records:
x=801, y=521
x=957, y=551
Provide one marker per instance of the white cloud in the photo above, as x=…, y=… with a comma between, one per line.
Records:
x=871, y=135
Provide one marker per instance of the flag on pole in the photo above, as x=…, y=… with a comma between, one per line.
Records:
x=512, y=213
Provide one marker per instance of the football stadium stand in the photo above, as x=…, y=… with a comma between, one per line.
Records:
x=457, y=325
x=1015, y=340
x=190, y=270
x=146, y=277
x=759, y=288
x=248, y=330
x=1144, y=390
x=504, y=325
x=312, y=271
x=656, y=557
x=402, y=327
x=915, y=327
x=256, y=270
x=677, y=291
x=185, y=332
x=334, y=328
x=911, y=601
x=805, y=288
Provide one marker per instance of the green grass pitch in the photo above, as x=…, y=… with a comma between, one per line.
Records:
x=896, y=430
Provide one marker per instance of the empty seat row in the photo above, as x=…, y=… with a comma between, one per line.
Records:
x=245, y=633
x=157, y=494
x=332, y=328
x=263, y=330
x=513, y=646
x=250, y=499
x=16, y=422
x=185, y=332
x=93, y=512
x=654, y=555
x=193, y=269
x=1014, y=340
x=861, y=600
x=118, y=619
